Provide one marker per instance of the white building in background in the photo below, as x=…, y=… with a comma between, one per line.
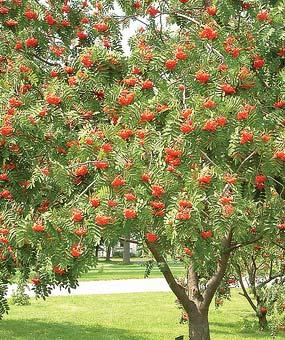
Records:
x=118, y=249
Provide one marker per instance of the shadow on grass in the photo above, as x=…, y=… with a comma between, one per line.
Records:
x=32, y=329
x=243, y=329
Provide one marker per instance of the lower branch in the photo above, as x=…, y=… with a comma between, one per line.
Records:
x=215, y=280
x=178, y=290
x=245, y=293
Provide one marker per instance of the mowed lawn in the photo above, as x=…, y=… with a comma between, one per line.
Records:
x=139, y=316
x=116, y=270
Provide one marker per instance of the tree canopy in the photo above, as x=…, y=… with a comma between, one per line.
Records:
x=180, y=143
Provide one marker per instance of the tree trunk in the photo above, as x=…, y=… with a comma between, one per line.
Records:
x=97, y=250
x=127, y=252
x=199, y=325
x=262, y=320
x=108, y=253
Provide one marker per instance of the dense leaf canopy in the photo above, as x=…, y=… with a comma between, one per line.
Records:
x=183, y=140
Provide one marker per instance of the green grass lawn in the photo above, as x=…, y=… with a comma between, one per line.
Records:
x=142, y=316
x=116, y=270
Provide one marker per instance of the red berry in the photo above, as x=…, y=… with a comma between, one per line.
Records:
x=279, y=104
x=126, y=133
x=202, y=77
x=157, y=190
x=36, y=281
x=151, y=237
x=101, y=27
x=95, y=202
x=280, y=155
x=77, y=216
x=81, y=171
x=262, y=15
x=53, y=99
x=147, y=85
x=152, y=11
x=187, y=127
x=171, y=64
x=130, y=197
x=107, y=147
x=145, y=178
x=246, y=137
x=208, y=33
x=212, y=10
x=76, y=250
x=126, y=98
x=118, y=181
x=6, y=130
x=205, y=179
x=32, y=42
x=82, y=35
x=38, y=228
x=30, y=14
x=147, y=116
x=188, y=251
x=228, y=89
x=258, y=63
x=130, y=214
x=102, y=220
x=81, y=232
x=58, y=270
x=263, y=310
x=101, y=165
x=205, y=234
x=180, y=54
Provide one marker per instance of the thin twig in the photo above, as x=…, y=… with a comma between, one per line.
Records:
x=246, y=159
x=78, y=164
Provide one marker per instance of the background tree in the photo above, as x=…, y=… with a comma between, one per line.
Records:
x=181, y=143
x=259, y=267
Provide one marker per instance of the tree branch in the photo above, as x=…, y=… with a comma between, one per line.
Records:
x=245, y=293
x=239, y=245
x=246, y=159
x=178, y=290
x=45, y=61
x=279, y=245
x=79, y=164
x=271, y=278
x=216, y=279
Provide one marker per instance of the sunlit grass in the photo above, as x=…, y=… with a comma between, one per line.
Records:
x=116, y=270
x=139, y=316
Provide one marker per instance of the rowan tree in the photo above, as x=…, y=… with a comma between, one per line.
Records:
x=180, y=143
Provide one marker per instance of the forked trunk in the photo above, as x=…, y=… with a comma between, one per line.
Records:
x=199, y=326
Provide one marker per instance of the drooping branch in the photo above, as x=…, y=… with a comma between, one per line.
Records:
x=178, y=290
x=244, y=293
x=45, y=60
x=246, y=159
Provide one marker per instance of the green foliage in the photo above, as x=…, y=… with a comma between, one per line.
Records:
x=183, y=138
x=19, y=297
